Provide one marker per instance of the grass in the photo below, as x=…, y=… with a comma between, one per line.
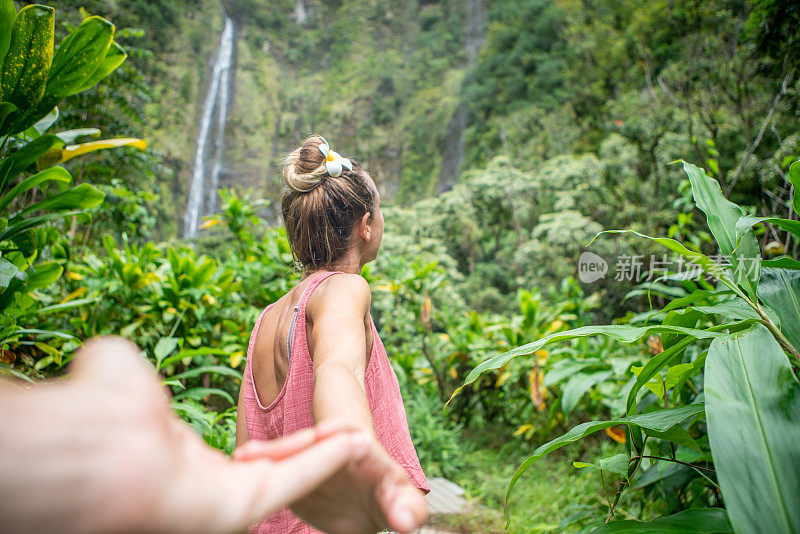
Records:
x=550, y=494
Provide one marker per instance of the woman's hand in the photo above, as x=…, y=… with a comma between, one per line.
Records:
x=103, y=452
x=369, y=495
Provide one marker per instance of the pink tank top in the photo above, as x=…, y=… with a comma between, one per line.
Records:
x=292, y=409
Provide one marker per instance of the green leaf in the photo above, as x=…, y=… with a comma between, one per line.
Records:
x=83, y=196
x=53, y=174
x=780, y=290
x=659, y=361
x=200, y=393
x=47, y=121
x=42, y=275
x=8, y=14
x=78, y=56
x=70, y=136
x=27, y=61
x=569, y=367
x=18, y=161
x=753, y=409
x=744, y=225
x=191, y=353
x=675, y=375
x=794, y=178
x=215, y=369
x=692, y=521
x=7, y=272
x=61, y=306
x=164, y=348
x=577, y=386
x=17, y=226
x=194, y=415
x=782, y=263
x=658, y=421
x=624, y=333
x=722, y=216
x=114, y=58
x=678, y=435
x=721, y=272
x=6, y=369
x=616, y=464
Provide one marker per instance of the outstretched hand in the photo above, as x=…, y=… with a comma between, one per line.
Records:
x=368, y=495
x=102, y=452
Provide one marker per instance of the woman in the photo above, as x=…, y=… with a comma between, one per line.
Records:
x=316, y=356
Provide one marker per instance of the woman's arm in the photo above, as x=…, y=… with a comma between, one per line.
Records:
x=339, y=314
x=241, y=421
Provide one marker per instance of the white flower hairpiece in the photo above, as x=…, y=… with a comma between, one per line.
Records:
x=333, y=161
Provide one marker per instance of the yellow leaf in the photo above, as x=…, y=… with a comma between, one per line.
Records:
x=541, y=356
x=208, y=223
x=556, y=325
x=72, y=275
x=388, y=287
x=502, y=379
x=146, y=279
x=47, y=349
x=537, y=393
x=236, y=358
x=453, y=373
x=444, y=337
x=522, y=429
x=73, y=151
x=425, y=311
x=81, y=291
x=617, y=434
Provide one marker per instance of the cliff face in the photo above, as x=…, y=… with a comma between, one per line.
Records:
x=381, y=80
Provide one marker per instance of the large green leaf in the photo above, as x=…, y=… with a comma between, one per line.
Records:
x=8, y=13
x=8, y=271
x=215, y=369
x=719, y=271
x=164, y=348
x=27, y=61
x=201, y=393
x=83, y=196
x=744, y=225
x=794, y=178
x=624, y=333
x=18, y=161
x=722, y=216
x=666, y=357
x=658, y=421
x=780, y=290
x=17, y=226
x=577, y=386
x=692, y=521
x=53, y=174
x=79, y=55
x=43, y=274
x=753, y=410
x=617, y=464
x=114, y=58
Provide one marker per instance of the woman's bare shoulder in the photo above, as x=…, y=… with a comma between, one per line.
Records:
x=341, y=292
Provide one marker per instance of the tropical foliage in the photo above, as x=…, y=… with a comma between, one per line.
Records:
x=505, y=138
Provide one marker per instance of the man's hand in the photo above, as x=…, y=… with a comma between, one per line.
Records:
x=103, y=452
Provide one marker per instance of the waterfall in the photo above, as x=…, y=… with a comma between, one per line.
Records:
x=453, y=153
x=203, y=194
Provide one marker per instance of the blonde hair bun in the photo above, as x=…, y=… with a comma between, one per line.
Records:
x=304, y=168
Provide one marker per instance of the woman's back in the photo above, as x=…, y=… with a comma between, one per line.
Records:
x=278, y=388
